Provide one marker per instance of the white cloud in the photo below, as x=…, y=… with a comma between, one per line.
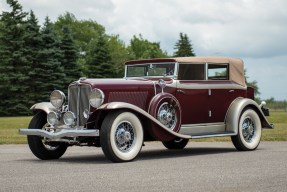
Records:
x=254, y=30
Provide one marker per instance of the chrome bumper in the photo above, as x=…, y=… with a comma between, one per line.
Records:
x=61, y=134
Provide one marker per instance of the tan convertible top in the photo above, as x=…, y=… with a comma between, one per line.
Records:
x=236, y=66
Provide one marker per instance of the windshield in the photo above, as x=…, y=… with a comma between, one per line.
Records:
x=151, y=70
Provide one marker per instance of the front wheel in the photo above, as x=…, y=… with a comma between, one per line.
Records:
x=121, y=136
x=249, y=131
x=176, y=143
x=37, y=144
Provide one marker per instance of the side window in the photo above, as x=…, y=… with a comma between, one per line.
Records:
x=218, y=72
x=191, y=72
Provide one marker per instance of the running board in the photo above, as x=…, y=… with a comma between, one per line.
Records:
x=216, y=134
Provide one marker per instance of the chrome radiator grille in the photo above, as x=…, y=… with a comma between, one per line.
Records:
x=78, y=101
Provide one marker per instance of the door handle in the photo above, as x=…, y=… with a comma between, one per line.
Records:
x=180, y=91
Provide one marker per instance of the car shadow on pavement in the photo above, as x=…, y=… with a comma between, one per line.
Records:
x=145, y=154
x=166, y=153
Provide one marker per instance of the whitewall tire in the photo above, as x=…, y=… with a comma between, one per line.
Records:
x=249, y=131
x=121, y=136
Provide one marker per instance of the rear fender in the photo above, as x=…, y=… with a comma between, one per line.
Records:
x=235, y=110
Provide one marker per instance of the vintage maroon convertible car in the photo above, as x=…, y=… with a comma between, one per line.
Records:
x=170, y=100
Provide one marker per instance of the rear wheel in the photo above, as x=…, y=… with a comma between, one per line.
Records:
x=177, y=143
x=37, y=144
x=249, y=131
x=121, y=136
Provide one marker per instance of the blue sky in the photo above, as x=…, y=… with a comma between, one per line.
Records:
x=254, y=30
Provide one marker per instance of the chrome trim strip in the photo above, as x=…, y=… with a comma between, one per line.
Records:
x=192, y=85
x=214, y=135
x=60, y=134
x=206, y=71
x=176, y=67
x=154, y=86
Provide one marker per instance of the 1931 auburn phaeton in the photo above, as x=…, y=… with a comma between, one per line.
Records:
x=170, y=100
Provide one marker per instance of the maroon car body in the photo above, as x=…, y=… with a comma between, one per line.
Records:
x=170, y=99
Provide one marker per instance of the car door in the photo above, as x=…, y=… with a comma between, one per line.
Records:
x=192, y=93
x=221, y=92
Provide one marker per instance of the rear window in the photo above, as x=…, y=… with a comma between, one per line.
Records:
x=217, y=72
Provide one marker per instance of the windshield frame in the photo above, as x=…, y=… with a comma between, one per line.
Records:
x=174, y=75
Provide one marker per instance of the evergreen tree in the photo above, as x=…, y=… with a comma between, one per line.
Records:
x=84, y=33
x=99, y=59
x=183, y=47
x=13, y=62
x=50, y=72
x=70, y=55
x=33, y=44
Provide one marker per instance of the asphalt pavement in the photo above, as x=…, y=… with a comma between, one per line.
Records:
x=201, y=166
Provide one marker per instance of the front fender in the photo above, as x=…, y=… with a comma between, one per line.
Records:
x=44, y=106
x=121, y=105
x=235, y=110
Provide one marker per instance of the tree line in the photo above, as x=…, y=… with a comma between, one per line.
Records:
x=35, y=59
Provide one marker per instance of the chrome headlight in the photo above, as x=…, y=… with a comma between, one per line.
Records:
x=96, y=98
x=52, y=118
x=57, y=98
x=69, y=118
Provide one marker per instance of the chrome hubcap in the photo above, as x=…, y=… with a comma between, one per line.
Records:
x=248, y=129
x=125, y=136
x=167, y=115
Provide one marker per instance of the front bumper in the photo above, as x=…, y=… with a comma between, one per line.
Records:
x=61, y=134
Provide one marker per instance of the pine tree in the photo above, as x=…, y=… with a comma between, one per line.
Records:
x=50, y=72
x=183, y=47
x=99, y=60
x=33, y=43
x=14, y=65
x=70, y=56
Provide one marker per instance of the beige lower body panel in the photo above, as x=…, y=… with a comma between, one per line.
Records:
x=196, y=129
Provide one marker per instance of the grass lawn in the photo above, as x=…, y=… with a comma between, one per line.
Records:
x=9, y=129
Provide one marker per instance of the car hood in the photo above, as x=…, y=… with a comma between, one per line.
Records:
x=120, y=84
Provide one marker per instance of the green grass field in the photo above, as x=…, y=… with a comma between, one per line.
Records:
x=9, y=129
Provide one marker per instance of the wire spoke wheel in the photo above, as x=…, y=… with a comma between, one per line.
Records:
x=125, y=136
x=249, y=131
x=121, y=136
x=167, y=115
